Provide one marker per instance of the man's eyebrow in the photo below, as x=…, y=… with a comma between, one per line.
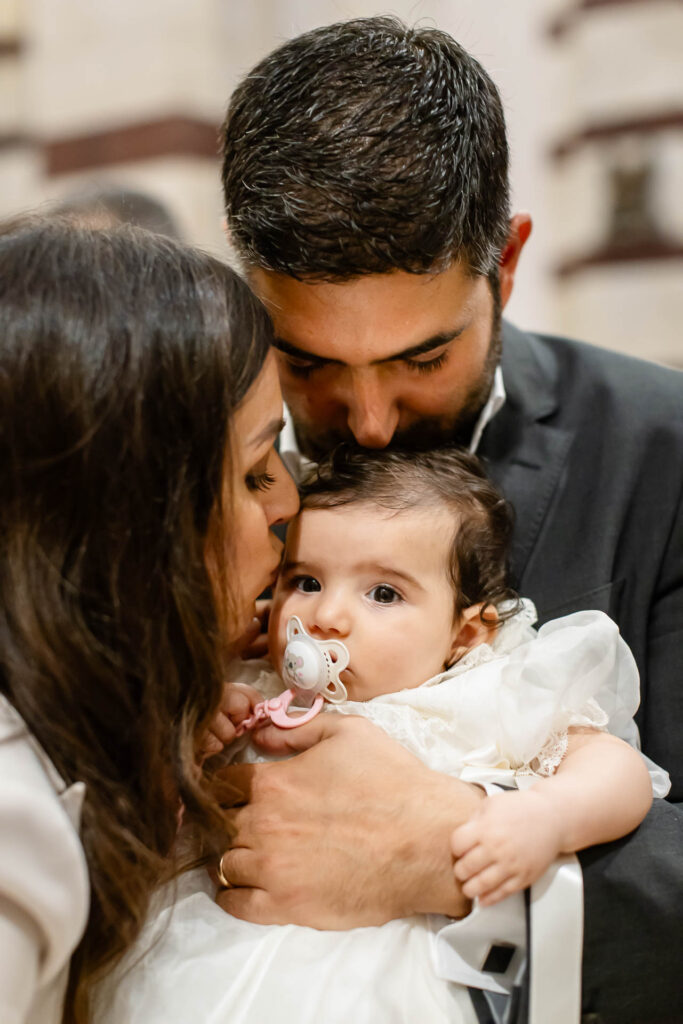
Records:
x=300, y=353
x=428, y=345
x=422, y=347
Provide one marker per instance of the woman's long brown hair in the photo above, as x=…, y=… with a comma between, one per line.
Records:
x=122, y=358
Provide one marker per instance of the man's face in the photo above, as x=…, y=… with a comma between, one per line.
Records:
x=386, y=358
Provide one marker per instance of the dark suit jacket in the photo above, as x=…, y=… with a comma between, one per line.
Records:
x=589, y=450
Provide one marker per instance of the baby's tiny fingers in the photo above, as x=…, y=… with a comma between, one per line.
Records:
x=210, y=745
x=222, y=728
x=485, y=881
x=237, y=706
x=474, y=861
x=239, y=700
x=464, y=838
x=501, y=892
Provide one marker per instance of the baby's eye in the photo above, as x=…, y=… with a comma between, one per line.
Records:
x=384, y=594
x=306, y=584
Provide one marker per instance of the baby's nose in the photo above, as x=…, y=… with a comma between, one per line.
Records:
x=331, y=620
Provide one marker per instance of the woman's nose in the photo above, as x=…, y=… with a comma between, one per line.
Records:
x=283, y=499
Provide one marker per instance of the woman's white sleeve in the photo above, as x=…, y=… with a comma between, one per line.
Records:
x=44, y=893
x=20, y=944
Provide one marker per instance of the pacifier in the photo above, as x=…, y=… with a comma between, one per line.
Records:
x=311, y=668
x=314, y=665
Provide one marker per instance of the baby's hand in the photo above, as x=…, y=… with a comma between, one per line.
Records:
x=237, y=703
x=506, y=845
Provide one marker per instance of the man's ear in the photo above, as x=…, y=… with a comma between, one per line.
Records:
x=470, y=630
x=520, y=229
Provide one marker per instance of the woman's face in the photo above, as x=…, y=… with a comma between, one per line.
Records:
x=261, y=494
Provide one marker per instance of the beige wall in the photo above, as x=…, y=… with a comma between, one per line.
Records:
x=95, y=66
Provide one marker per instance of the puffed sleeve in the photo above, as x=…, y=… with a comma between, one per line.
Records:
x=506, y=709
x=577, y=672
x=44, y=889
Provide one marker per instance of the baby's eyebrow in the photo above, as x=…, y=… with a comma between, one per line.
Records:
x=375, y=569
x=391, y=571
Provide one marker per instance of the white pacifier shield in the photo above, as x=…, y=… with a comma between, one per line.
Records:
x=314, y=665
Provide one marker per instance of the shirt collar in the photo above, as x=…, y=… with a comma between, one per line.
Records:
x=494, y=404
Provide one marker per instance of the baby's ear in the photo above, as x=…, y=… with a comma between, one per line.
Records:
x=471, y=630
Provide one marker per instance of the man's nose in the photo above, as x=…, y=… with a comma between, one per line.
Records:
x=372, y=412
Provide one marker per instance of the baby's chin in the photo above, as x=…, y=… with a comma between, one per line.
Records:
x=357, y=689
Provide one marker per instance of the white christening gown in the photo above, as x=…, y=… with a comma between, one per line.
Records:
x=501, y=712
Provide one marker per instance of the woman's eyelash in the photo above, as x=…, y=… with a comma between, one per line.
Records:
x=429, y=365
x=260, y=481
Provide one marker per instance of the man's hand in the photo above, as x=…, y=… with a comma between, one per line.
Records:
x=506, y=845
x=353, y=831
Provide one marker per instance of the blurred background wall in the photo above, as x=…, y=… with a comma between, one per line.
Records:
x=130, y=93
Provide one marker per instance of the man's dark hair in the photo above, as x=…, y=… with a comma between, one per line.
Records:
x=366, y=147
x=449, y=478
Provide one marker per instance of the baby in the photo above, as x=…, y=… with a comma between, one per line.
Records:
x=402, y=559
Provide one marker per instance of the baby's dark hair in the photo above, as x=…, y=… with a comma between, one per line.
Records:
x=449, y=478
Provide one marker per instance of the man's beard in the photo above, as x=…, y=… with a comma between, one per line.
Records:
x=431, y=431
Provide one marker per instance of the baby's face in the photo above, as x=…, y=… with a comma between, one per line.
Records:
x=378, y=582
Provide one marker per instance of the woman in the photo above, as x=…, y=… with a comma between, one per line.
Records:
x=138, y=482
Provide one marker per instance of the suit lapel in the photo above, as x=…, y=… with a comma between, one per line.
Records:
x=524, y=453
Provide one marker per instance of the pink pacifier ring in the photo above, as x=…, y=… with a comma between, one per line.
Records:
x=310, y=667
x=275, y=710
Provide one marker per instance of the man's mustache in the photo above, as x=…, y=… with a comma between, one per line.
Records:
x=421, y=436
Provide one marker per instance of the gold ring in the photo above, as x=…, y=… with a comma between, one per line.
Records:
x=221, y=877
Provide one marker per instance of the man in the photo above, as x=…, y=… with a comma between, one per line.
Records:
x=366, y=187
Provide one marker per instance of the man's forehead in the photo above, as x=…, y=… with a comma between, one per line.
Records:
x=368, y=319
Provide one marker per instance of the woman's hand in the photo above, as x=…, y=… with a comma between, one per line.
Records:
x=352, y=831
x=237, y=703
x=506, y=845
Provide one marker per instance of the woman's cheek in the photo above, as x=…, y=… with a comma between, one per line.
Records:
x=277, y=633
